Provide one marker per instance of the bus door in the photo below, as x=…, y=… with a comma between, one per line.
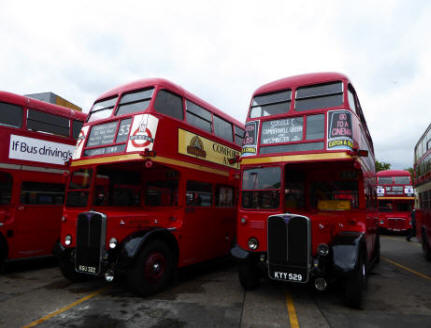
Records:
x=198, y=222
x=6, y=187
x=37, y=217
x=225, y=219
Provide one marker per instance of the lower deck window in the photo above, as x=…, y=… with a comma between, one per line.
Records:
x=5, y=188
x=199, y=194
x=38, y=193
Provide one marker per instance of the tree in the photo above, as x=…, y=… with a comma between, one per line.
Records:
x=380, y=166
x=412, y=174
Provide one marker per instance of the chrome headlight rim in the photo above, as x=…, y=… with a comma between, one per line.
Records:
x=253, y=243
x=323, y=249
x=68, y=240
x=113, y=242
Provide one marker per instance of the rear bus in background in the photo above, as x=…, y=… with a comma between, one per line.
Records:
x=37, y=138
x=307, y=210
x=152, y=188
x=396, y=198
x=422, y=169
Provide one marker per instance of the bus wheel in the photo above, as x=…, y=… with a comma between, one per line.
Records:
x=355, y=284
x=153, y=269
x=67, y=268
x=248, y=275
x=425, y=246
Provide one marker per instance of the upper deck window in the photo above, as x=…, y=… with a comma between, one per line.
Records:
x=133, y=102
x=198, y=116
x=102, y=109
x=169, y=104
x=271, y=104
x=401, y=180
x=11, y=115
x=385, y=180
x=319, y=96
x=239, y=135
x=352, y=101
x=49, y=123
x=222, y=128
x=76, y=128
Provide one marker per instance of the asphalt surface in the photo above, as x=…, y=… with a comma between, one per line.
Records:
x=398, y=295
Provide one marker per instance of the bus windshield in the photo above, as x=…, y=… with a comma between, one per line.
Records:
x=261, y=188
x=79, y=186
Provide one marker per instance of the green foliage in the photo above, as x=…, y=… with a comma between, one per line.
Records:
x=381, y=166
x=412, y=173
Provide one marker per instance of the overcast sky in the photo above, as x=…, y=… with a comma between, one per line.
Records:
x=224, y=50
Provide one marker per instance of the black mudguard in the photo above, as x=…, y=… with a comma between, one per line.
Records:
x=132, y=245
x=59, y=251
x=346, y=248
x=239, y=254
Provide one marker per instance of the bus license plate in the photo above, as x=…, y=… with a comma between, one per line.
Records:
x=288, y=276
x=87, y=269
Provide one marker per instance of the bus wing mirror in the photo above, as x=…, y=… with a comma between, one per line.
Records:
x=362, y=153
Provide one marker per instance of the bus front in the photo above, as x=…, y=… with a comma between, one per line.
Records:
x=396, y=197
x=149, y=191
x=307, y=172
x=117, y=190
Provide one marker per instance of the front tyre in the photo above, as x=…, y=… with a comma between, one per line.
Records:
x=355, y=284
x=248, y=274
x=153, y=269
x=425, y=246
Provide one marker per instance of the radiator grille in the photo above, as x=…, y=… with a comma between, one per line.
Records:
x=289, y=245
x=90, y=242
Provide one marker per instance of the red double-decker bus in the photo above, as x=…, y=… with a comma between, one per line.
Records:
x=422, y=167
x=396, y=198
x=152, y=186
x=307, y=209
x=37, y=139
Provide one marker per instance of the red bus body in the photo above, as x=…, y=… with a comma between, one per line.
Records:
x=307, y=205
x=395, y=195
x=37, y=139
x=422, y=169
x=164, y=176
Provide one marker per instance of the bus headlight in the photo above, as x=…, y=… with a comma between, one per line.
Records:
x=113, y=243
x=253, y=244
x=323, y=249
x=68, y=240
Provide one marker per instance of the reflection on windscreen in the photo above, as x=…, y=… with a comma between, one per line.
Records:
x=102, y=109
x=261, y=188
x=79, y=184
x=135, y=186
x=394, y=206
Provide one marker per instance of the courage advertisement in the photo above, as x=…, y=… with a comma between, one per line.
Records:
x=196, y=146
x=38, y=150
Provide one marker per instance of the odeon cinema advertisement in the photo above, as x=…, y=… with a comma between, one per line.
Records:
x=196, y=146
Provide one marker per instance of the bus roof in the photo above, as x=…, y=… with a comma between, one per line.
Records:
x=41, y=105
x=300, y=80
x=393, y=173
x=165, y=84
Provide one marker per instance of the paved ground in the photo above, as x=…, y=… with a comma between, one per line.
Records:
x=35, y=294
